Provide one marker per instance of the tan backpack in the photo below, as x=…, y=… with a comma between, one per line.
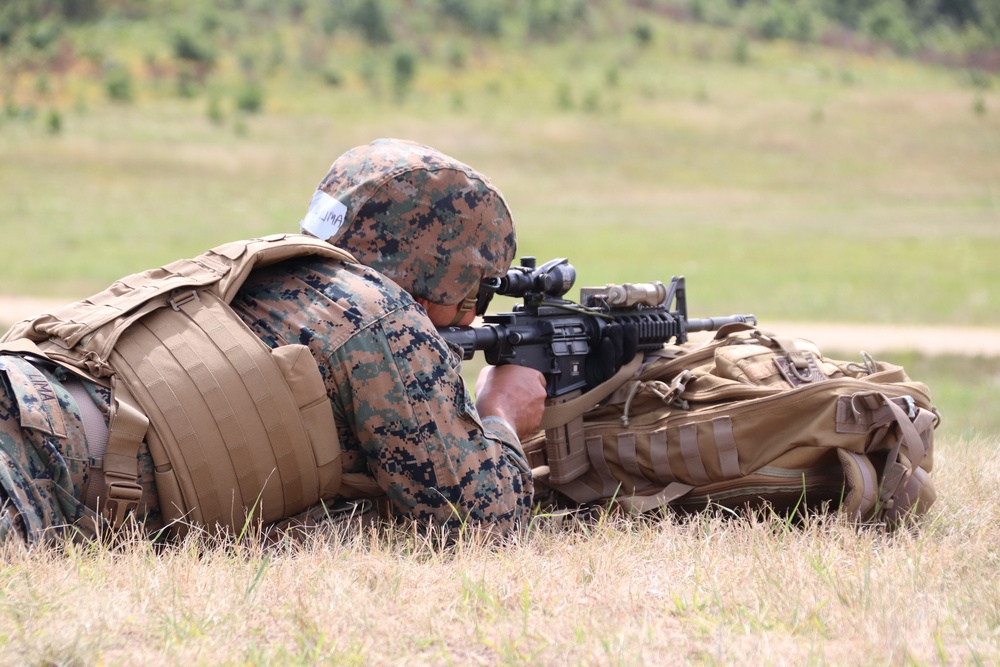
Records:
x=235, y=429
x=747, y=419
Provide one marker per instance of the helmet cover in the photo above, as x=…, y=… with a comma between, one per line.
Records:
x=432, y=224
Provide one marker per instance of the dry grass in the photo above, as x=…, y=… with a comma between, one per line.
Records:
x=708, y=590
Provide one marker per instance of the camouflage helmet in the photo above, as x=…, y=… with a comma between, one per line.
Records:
x=432, y=224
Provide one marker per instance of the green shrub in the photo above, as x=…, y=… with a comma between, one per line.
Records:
x=785, y=20
x=643, y=33
x=612, y=76
x=551, y=19
x=371, y=19
x=209, y=20
x=456, y=55
x=187, y=81
x=485, y=18
x=888, y=21
x=741, y=50
x=564, y=97
x=404, y=70
x=118, y=84
x=277, y=56
x=368, y=70
x=847, y=12
x=332, y=77
x=12, y=18
x=980, y=79
x=979, y=105
x=215, y=115
x=192, y=47
x=718, y=12
x=45, y=33
x=250, y=97
x=53, y=122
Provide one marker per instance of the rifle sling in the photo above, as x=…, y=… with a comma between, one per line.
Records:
x=559, y=415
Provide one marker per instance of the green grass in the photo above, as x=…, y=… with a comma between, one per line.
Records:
x=779, y=187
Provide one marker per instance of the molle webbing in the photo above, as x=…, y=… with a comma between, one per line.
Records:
x=236, y=430
x=229, y=437
x=745, y=419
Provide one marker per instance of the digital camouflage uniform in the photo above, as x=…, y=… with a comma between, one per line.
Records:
x=43, y=454
x=402, y=410
x=44, y=462
x=437, y=227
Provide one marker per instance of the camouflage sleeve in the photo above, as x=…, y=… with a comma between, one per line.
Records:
x=399, y=389
x=403, y=412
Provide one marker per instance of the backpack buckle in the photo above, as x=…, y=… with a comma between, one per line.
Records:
x=180, y=298
x=121, y=496
x=911, y=406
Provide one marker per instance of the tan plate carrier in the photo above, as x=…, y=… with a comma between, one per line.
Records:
x=236, y=430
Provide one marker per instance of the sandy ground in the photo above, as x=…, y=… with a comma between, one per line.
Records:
x=873, y=338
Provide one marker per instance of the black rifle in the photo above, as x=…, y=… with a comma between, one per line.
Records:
x=555, y=336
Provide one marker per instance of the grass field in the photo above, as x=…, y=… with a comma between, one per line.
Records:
x=804, y=184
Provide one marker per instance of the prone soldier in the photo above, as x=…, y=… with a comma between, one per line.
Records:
x=98, y=425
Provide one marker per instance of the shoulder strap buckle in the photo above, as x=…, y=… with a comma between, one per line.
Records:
x=181, y=298
x=121, y=497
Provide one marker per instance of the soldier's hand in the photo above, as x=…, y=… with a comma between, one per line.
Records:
x=513, y=393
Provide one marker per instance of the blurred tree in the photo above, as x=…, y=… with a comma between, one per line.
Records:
x=370, y=17
x=404, y=70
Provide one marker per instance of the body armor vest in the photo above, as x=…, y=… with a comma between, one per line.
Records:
x=237, y=431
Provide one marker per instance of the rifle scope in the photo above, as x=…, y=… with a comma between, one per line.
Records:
x=553, y=278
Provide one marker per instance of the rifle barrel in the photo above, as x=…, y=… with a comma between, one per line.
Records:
x=715, y=323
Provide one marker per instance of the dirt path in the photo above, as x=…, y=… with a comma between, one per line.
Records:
x=873, y=338
x=880, y=338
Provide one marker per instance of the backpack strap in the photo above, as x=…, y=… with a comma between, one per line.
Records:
x=644, y=504
x=126, y=431
x=565, y=444
x=903, y=482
